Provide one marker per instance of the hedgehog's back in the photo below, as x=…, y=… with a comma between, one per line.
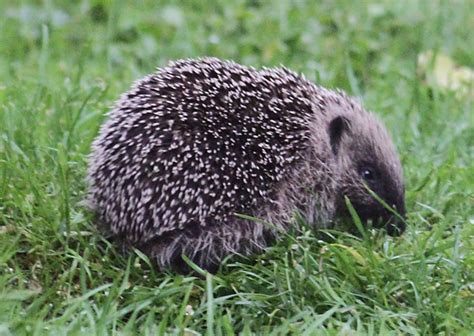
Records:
x=194, y=143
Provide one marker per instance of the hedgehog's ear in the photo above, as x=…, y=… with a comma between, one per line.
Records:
x=337, y=127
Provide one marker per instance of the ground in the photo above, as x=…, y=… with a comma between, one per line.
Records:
x=64, y=63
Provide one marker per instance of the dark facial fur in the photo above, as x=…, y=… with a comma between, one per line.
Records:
x=368, y=160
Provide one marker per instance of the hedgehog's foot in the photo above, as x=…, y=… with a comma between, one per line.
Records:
x=206, y=246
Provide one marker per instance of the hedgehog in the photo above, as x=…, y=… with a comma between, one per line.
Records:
x=199, y=157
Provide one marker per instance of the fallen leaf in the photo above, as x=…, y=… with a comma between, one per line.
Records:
x=441, y=71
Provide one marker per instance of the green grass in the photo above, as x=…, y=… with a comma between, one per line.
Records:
x=62, y=65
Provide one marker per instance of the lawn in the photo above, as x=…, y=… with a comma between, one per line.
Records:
x=64, y=63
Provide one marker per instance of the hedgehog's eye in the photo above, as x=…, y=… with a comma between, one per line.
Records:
x=367, y=173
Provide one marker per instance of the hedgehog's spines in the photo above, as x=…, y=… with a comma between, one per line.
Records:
x=199, y=140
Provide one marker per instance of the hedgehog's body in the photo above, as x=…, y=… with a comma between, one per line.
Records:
x=200, y=141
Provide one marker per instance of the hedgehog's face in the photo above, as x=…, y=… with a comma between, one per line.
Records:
x=370, y=172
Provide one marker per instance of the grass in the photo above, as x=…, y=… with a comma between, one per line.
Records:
x=64, y=63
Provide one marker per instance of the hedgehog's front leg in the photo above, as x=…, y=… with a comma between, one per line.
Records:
x=206, y=246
